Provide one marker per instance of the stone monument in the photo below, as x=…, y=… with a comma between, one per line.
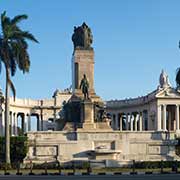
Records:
x=84, y=107
x=83, y=61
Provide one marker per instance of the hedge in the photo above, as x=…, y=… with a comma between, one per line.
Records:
x=18, y=148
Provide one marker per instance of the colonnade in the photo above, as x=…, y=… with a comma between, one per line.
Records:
x=15, y=128
x=166, y=120
x=127, y=121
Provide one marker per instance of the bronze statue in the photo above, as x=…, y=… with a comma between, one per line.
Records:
x=85, y=87
x=82, y=37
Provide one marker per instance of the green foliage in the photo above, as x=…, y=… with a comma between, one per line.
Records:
x=155, y=164
x=178, y=77
x=14, y=46
x=18, y=148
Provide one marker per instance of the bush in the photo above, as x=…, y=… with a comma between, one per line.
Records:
x=155, y=164
x=18, y=148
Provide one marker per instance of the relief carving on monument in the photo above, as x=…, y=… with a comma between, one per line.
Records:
x=46, y=151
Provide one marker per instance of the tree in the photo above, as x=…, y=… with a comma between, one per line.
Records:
x=13, y=54
x=178, y=77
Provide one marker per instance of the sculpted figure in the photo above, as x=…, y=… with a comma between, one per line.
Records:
x=82, y=37
x=85, y=87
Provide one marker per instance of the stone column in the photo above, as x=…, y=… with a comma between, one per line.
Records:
x=38, y=122
x=135, y=122
x=24, y=124
x=120, y=122
x=116, y=122
x=29, y=122
x=131, y=122
x=177, y=117
x=140, y=121
x=164, y=118
x=113, y=122
x=169, y=120
x=15, y=124
x=42, y=125
x=159, y=128
x=127, y=123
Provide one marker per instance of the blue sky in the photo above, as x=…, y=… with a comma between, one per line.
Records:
x=133, y=41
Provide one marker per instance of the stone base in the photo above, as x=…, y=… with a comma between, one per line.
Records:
x=103, y=125
x=100, y=145
x=96, y=126
x=88, y=126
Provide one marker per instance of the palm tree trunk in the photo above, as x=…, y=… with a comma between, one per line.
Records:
x=7, y=135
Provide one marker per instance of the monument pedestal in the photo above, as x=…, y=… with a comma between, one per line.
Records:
x=83, y=71
x=87, y=114
x=83, y=63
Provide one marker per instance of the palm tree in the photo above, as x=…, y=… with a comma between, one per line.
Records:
x=13, y=54
x=178, y=77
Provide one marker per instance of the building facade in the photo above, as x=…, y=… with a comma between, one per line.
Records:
x=24, y=111
x=157, y=111
x=142, y=129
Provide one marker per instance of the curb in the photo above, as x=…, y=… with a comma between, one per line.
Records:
x=90, y=174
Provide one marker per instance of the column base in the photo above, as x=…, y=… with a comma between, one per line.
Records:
x=177, y=132
x=160, y=130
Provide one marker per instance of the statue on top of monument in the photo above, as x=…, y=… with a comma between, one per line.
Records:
x=82, y=37
x=85, y=87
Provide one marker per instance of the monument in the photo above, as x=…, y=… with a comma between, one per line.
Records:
x=86, y=106
x=142, y=129
x=83, y=60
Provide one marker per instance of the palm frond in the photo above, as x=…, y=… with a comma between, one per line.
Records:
x=0, y=65
x=27, y=35
x=13, y=66
x=18, y=18
x=24, y=62
x=14, y=48
x=178, y=77
x=5, y=23
x=3, y=15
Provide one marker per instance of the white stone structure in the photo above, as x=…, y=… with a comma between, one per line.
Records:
x=157, y=111
x=46, y=112
x=114, y=148
x=143, y=129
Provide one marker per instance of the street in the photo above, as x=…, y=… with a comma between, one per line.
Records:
x=96, y=177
